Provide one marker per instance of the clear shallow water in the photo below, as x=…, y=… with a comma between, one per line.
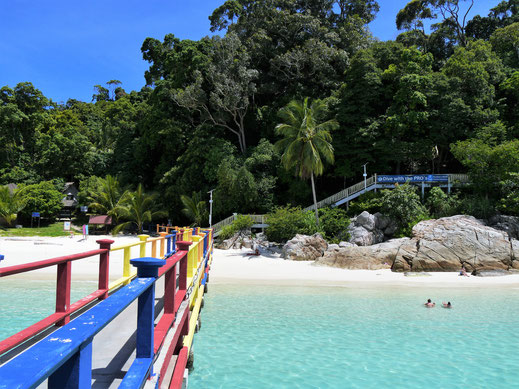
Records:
x=306, y=337
x=25, y=302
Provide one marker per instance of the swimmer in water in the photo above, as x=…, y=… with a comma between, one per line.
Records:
x=429, y=304
x=446, y=305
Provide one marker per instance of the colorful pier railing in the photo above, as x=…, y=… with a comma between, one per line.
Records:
x=64, y=357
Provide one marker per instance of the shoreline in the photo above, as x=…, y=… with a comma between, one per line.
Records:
x=232, y=267
x=236, y=267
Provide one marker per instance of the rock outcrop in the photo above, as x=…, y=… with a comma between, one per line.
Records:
x=508, y=224
x=243, y=240
x=378, y=256
x=448, y=243
x=367, y=229
x=444, y=244
x=304, y=247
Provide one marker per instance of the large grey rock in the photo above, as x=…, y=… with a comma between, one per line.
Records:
x=378, y=256
x=508, y=224
x=367, y=229
x=360, y=236
x=381, y=221
x=366, y=220
x=437, y=245
x=448, y=243
x=346, y=244
x=391, y=228
x=246, y=243
x=304, y=247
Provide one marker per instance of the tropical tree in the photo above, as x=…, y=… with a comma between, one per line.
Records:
x=306, y=140
x=137, y=207
x=194, y=208
x=10, y=204
x=107, y=199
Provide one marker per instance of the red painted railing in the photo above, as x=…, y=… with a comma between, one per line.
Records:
x=175, y=268
x=63, y=282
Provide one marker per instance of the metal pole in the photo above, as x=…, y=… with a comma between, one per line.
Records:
x=210, y=208
x=365, y=177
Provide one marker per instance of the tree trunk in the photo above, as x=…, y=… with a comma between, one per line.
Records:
x=315, y=200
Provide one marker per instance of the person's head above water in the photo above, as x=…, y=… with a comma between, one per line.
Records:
x=428, y=300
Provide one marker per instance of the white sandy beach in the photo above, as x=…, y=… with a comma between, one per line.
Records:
x=229, y=266
x=235, y=266
x=20, y=250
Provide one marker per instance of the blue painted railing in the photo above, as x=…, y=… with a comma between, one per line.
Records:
x=171, y=244
x=65, y=356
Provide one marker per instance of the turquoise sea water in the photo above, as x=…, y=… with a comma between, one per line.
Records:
x=308, y=337
x=25, y=302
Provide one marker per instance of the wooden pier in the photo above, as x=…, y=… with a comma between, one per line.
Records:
x=135, y=332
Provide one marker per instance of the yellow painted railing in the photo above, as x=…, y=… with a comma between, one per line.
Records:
x=156, y=247
x=197, y=294
x=147, y=247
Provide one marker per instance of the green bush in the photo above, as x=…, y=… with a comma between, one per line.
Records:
x=441, y=204
x=226, y=232
x=509, y=202
x=43, y=198
x=240, y=224
x=370, y=202
x=285, y=222
x=334, y=223
x=403, y=205
x=478, y=206
x=407, y=230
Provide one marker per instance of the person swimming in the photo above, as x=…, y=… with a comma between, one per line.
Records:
x=429, y=304
x=446, y=305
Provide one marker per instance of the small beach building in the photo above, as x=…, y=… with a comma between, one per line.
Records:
x=100, y=220
x=70, y=201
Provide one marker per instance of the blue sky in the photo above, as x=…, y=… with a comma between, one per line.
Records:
x=66, y=47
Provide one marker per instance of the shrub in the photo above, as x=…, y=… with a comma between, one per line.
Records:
x=226, y=232
x=403, y=205
x=240, y=224
x=509, y=202
x=478, y=206
x=285, y=222
x=370, y=202
x=441, y=204
x=334, y=223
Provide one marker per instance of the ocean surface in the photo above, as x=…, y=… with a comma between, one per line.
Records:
x=308, y=337
x=25, y=302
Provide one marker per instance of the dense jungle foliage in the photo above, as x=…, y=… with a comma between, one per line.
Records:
x=439, y=101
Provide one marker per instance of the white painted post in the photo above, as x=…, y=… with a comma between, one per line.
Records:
x=210, y=207
x=365, y=175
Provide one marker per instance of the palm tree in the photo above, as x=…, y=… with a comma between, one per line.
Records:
x=194, y=208
x=108, y=200
x=10, y=204
x=306, y=141
x=137, y=207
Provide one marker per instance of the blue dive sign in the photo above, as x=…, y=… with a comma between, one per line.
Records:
x=390, y=179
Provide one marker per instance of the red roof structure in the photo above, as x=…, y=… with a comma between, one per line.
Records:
x=100, y=219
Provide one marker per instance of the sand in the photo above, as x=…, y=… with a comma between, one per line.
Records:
x=230, y=266
x=235, y=266
x=20, y=250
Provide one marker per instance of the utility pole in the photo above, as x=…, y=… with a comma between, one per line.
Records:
x=210, y=207
x=365, y=176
